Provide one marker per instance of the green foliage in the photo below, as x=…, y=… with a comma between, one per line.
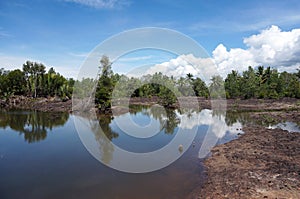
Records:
x=34, y=81
x=233, y=85
x=16, y=80
x=34, y=74
x=216, y=87
x=167, y=96
x=105, y=85
x=200, y=88
x=262, y=83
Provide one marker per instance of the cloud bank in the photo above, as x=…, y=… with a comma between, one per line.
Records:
x=271, y=47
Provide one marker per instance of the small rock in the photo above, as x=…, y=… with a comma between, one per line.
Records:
x=180, y=148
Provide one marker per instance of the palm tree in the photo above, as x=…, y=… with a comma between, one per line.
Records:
x=190, y=76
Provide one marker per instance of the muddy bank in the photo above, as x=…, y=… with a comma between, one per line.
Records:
x=262, y=163
x=256, y=105
x=52, y=104
x=56, y=104
x=260, y=105
x=275, y=117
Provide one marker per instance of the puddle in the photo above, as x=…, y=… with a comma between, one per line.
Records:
x=288, y=126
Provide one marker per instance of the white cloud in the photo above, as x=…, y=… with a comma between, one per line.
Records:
x=206, y=117
x=234, y=59
x=275, y=47
x=102, y=4
x=271, y=47
x=184, y=64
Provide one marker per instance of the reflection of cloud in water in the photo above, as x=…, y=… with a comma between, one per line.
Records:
x=288, y=126
x=217, y=123
x=100, y=146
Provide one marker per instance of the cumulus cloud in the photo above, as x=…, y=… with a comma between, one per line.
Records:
x=101, y=4
x=218, y=124
x=184, y=64
x=271, y=47
x=275, y=47
x=233, y=59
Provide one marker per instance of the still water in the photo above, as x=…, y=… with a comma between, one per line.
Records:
x=42, y=155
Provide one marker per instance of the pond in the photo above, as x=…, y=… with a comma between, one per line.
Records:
x=55, y=155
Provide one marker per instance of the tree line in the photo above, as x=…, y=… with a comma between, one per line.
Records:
x=34, y=81
x=260, y=82
x=263, y=83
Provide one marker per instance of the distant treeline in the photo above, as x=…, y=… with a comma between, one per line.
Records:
x=261, y=82
x=34, y=81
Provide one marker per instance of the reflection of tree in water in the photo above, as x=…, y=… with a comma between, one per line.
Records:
x=134, y=109
x=218, y=114
x=246, y=118
x=103, y=135
x=233, y=117
x=33, y=125
x=105, y=125
x=167, y=118
x=172, y=121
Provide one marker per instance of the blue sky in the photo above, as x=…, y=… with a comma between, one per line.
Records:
x=61, y=33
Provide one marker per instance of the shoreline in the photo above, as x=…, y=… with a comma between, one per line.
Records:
x=54, y=104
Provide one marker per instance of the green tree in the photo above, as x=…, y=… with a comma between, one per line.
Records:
x=249, y=82
x=216, y=87
x=233, y=85
x=4, y=93
x=105, y=85
x=16, y=81
x=167, y=96
x=34, y=76
x=200, y=88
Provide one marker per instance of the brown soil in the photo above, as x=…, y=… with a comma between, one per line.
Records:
x=277, y=116
x=264, y=104
x=41, y=104
x=262, y=163
x=56, y=104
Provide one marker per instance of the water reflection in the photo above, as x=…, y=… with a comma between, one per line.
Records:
x=32, y=125
x=288, y=126
x=112, y=136
x=102, y=132
x=265, y=121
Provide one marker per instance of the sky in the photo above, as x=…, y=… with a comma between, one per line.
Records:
x=236, y=34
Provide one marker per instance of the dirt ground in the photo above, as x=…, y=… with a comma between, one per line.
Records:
x=52, y=104
x=262, y=163
x=57, y=105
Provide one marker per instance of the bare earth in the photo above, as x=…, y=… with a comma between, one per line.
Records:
x=57, y=105
x=262, y=163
